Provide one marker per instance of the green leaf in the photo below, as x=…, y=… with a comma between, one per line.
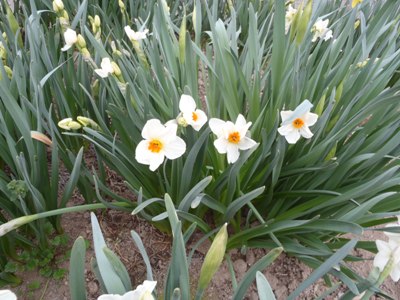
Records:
x=264, y=289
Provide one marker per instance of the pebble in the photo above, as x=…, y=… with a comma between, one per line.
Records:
x=240, y=267
x=93, y=287
x=250, y=258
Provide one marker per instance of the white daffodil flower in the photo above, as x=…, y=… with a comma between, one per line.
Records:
x=70, y=38
x=106, y=68
x=142, y=292
x=7, y=295
x=388, y=251
x=289, y=17
x=69, y=124
x=191, y=116
x=295, y=123
x=160, y=141
x=135, y=35
x=321, y=31
x=393, y=236
x=231, y=137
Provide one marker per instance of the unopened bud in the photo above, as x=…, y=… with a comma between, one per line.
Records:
x=58, y=6
x=3, y=52
x=116, y=69
x=97, y=21
x=85, y=53
x=81, y=41
x=121, y=5
x=69, y=124
x=87, y=122
x=356, y=24
x=181, y=121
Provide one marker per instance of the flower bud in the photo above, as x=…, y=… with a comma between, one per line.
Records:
x=121, y=5
x=58, y=6
x=3, y=52
x=181, y=121
x=87, y=122
x=85, y=53
x=81, y=41
x=116, y=69
x=356, y=24
x=214, y=257
x=97, y=21
x=69, y=124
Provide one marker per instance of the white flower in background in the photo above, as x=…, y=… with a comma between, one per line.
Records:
x=321, y=31
x=388, y=252
x=142, y=292
x=231, y=137
x=7, y=295
x=393, y=236
x=189, y=114
x=159, y=141
x=289, y=17
x=135, y=35
x=69, y=124
x=70, y=38
x=106, y=68
x=295, y=123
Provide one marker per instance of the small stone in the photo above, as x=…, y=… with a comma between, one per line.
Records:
x=240, y=267
x=250, y=258
x=93, y=287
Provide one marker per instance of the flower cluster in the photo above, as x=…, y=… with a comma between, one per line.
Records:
x=72, y=38
x=388, y=256
x=70, y=124
x=160, y=141
x=289, y=17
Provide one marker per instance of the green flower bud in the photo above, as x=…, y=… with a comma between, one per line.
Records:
x=214, y=257
x=87, y=122
x=97, y=21
x=81, y=41
x=117, y=70
x=85, y=53
x=58, y=6
x=69, y=124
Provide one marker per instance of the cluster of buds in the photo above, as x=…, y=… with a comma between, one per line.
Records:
x=58, y=7
x=121, y=6
x=109, y=67
x=135, y=37
x=3, y=56
x=70, y=124
x=96, y=26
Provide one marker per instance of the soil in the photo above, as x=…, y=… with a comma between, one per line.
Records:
x=284, y=274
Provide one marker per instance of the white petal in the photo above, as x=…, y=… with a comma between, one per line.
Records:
x=286, y=129
x=310, y=119
x=66, y=47
x=201, y=120
x=131, y=295
x=106, y=65
x=187, y=104
x=7, y=295
x=175, y=148
x=232, y=153
x=170, y=122
x=70, y=37
x=221, y=145
x=168, y=133
x=152, y=129
x=101, y=73
x=149, y=285
x=110, y=297
x=328, y=35
x=305, y=132
x=286, y=114
x=240, y=121
x=246, y=143
x=142, y=153
x=383, y=247
x=129, y=32
x=380, y=261
x=292, y=137
x=156, y=159
x=395, y=273
x=217, y=126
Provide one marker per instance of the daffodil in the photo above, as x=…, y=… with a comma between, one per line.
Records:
x=69, y=124
x=321, y=31
x=106, y=68
x=135, y=35
x=289, y=17
x=70, y=38
x=295, y=123
x=160, y=141
x=142, y=292
x=231, y=137
x=388, y=256
x=189, y=114
x=354, y=3
x=7, y=295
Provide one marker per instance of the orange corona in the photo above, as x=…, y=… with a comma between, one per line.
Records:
x=194, y=116
x=298, y=123
x=155, y=146
x=234, y=137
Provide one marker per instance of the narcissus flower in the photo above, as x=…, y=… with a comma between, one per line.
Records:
x=388, y=252
x=70, y=38
x=189, y=114
x=106, y=68
x=7, y=295
x=142, y=292
x=321, y=31
x=289, y=17
x=231, y=137
x=135, y=35
x=69, y=124
x=354, y=3
x=160, y=141
x=295, y=123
